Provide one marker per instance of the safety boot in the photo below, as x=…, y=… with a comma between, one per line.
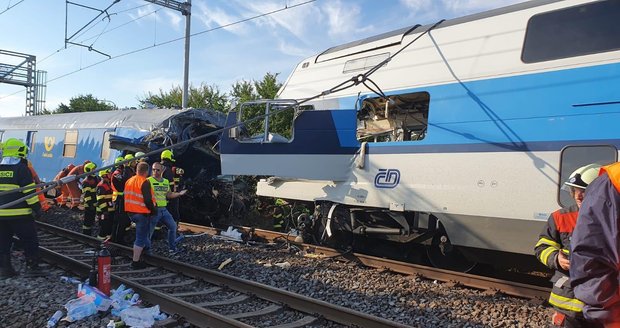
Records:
x=6, y=268
x=33, y=269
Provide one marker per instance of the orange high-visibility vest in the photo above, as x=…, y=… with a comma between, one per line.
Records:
x=134, y=201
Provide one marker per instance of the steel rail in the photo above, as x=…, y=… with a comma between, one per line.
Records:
x=469, y=280
x=294, y=301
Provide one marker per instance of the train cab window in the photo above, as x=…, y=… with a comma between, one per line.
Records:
x=277, y=127
x=574, y=157
x=401, y=117
x=70, y=143
x=580, y=30
x=105, y=146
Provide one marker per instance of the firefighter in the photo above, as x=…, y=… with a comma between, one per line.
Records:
x=18, y=219
x=173, y=174
x=553, y=249
x=61, y=200
x=105, y=205
x=595, y=253
x=119, y=178
x=89, y=192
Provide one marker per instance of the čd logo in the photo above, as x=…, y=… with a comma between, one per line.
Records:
x=387, y=178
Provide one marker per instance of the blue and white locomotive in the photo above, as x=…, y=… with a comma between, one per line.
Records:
x=462, y=140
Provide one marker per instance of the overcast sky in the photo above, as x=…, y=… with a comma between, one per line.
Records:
x=273, y=42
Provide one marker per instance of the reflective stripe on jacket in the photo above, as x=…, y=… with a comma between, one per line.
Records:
x=161, y=189
x=555, y=238
x=13, y=176
x=134, y=200
x=105, y=204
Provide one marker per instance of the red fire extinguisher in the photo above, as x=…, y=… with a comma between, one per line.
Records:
x=104, y=270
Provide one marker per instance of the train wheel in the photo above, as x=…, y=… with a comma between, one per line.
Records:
x=442, y=254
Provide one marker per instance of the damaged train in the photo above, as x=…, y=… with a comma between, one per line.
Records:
x=456, y=135
x=57, y=140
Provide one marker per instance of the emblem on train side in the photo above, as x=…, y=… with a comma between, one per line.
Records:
x=49, y=143
x=387, y=178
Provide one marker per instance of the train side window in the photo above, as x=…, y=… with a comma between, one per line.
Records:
x=277, y=127
x=70, y=143
x=105, y=146
x=580, y=30
x=574, y=157
x=402, y=117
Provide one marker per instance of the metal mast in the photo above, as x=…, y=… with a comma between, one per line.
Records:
x=186, y=9
x=25, y=74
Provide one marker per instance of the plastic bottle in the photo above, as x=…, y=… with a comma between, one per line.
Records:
x=111, y=324
x=70, y=280
x=54, y=319
x=134, y=299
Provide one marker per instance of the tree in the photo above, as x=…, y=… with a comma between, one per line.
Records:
x=203, y=96
x=84, y=103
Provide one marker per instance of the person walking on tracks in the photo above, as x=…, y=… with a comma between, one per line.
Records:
x=140, y=206
x=161, y=187
x=595, y=253
x=18, y=219
x=553, y=250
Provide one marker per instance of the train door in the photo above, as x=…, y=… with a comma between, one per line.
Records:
x=574, y=157
x=31, y=140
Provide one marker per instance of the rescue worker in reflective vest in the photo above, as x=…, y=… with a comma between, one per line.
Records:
x=161, y=188
x=63, y=190
x=19, y=218
x=595, y=253
x=173, y=174
x=553, y=250
x=89, y=192
x=119, y=179
x=105, y=205
x=140, y=206
x=75, y=193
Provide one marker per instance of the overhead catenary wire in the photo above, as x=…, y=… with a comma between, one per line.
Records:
x=9, y=6
x=356, y=80
x=180, y=38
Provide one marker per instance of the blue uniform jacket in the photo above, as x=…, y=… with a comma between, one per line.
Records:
x=595, y=253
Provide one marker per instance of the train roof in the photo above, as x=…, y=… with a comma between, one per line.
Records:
x=141, y=119
x=402, y=32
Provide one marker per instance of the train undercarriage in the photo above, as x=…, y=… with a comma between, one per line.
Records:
x=411, y=236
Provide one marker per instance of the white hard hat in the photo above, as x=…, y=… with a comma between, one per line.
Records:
x=583, y=176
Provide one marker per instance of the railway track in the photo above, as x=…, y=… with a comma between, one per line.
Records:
x=492, y=285
x=203, y=297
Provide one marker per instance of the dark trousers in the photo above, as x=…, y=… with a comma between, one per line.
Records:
x=121, y=221
x=89, y=220
x=24, y=229
x=106, y=222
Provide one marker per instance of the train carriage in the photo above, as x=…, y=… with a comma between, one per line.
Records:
x=462, y=138
x=58, y=140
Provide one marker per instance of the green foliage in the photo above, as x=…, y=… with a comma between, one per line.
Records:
x=203, y=96
x=207, y=96
x=84, y=103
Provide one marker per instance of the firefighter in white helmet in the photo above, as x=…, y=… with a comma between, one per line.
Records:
x=553, y=249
